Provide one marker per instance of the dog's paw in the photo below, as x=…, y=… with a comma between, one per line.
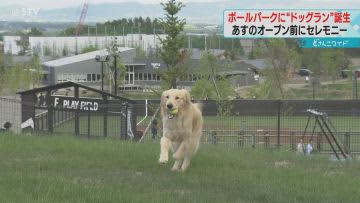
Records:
x=183, y=170
x=175, y=169
x=163, y=161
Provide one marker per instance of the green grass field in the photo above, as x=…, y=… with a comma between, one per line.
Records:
x=69, y=169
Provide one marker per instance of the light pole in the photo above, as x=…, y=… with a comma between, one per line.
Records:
x=315, y=80
x=103, y=59
x=115, y=72
x=355, y=88
x=115, y=51
x=313, y=86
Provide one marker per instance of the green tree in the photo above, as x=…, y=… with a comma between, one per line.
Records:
x=2, y=71
x=35, y=32
x=311, y=60
x=260, y=50
x=212, y=84
x=281, y=61
x=69, y=31
x=327, y=62
x=35, y=71
x=87, y=49
x=24, y=44
x=267, y=88
x=110, y=67
x=17, y=78
x=47, y=50
x=2, y=63
x=65, y=51
x=333, y=60
x=170, y=51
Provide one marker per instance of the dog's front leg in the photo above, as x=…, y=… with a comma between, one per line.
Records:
x=178, y=149
x=186, y=163
x=165, y=145
x=190, y=148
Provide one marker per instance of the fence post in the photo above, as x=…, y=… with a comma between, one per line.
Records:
x=77, y=129
x=347, y=142
x=213, y=136
x=319, y=140
x=88, y=123
x=50, y=112
x=106, y=103
x=278, y=123
x=240, y=140
x=123, y=133
x=266, y=140
x=42, y=122
x=253, y=139
x=292, y=141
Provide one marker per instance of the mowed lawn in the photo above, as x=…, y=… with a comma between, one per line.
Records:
x=70, y=169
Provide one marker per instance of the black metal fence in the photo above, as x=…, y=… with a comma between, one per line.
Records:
x=269, y=123
x=105, y=123
x=241, y=123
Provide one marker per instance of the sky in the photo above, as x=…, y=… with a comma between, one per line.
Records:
x=51, y=4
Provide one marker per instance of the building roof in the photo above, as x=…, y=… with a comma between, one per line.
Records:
x=82, y=57
x=72, y=84
x=239, y=67
x=257, y=63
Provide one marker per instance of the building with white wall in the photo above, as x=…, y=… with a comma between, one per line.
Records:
x=70, y=45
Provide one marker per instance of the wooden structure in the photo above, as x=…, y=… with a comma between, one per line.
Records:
x=55, y=110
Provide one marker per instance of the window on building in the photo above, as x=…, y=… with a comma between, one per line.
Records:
x=149, y=76
x=154, y=76
x=46, y=77
x=158, y=77
x=93, y=77
x=145, y=76
x=71, y=77
x=140, y=76
x=89, y=77
x=82, y=77
x=136, y=76
x=98, y=77
x=60, y=78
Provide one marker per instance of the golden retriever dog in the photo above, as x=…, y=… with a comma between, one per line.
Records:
x=182, y=126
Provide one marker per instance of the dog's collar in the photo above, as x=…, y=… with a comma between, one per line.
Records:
x=170, y=116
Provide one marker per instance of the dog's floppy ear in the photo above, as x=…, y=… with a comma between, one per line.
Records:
x=187, y=96
x=162, y=103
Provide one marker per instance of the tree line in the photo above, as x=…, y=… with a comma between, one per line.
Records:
x=284, y=57
x=136, y=25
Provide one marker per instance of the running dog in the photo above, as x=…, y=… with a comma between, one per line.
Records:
x=182, y=126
